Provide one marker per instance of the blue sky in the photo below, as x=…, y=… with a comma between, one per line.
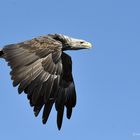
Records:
x=107, y=77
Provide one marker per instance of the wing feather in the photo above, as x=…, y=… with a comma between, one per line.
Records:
x=44, y=73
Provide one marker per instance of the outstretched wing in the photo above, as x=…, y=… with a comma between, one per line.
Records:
x=41, y=70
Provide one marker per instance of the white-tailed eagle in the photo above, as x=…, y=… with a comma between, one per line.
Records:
x=43, y=71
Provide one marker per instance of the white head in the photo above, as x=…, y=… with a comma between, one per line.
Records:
x=70, y=43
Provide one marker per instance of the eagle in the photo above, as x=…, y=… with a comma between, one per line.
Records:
x=42, y=70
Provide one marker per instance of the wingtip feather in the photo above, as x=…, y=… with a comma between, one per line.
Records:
x=69, y=113
x=60, y=113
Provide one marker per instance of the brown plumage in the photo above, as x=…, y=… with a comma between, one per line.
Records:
x=43, y=71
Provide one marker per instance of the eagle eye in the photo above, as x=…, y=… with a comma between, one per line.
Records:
x=82, y=42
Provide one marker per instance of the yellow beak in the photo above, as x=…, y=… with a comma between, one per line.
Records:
x=87, y=45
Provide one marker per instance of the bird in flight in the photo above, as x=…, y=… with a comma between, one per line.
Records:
x=42, y=70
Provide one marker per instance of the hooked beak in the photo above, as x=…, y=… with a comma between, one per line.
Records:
x=83, y=45
x=87, y=45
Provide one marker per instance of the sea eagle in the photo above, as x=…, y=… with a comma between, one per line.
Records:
x=43, y=71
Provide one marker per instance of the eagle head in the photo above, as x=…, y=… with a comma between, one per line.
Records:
x=70, y=43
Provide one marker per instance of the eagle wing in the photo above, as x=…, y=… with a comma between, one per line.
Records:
x=44, y=73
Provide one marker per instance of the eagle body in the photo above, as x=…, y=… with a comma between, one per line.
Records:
x=41, y=69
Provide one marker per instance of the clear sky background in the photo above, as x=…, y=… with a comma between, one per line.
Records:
x=107, y=77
